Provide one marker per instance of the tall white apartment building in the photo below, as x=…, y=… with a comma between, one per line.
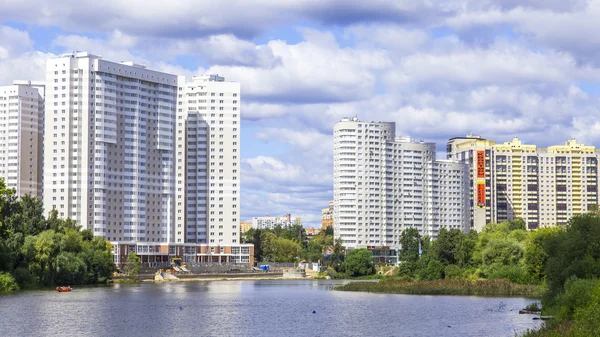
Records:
x=208, y=161
x=108, y=149
x=384, y=184
x=544, y=186
x=21, y=136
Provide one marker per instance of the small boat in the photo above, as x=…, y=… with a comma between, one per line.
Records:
x=63, y=289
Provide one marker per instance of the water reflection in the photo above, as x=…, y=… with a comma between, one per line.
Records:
x=254, y=308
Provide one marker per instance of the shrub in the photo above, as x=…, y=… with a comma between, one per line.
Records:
x=7, y=283
x=586, y=318
x=577, y=294
x=513, y=273
x=453, y=272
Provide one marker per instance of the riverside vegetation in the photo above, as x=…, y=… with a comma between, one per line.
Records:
x=559, y=264
x=39, y=252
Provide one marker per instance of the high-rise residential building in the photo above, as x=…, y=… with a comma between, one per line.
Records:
x=327, y=216
x=271, y=222
x=21, y=136
x=384, y=184
x=544, y=186
x=144, y=159
x=208, y=161
x=108, y=150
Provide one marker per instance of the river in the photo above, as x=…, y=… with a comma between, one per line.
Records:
x=254, y=308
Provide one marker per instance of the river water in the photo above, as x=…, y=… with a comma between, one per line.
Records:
x=254, y=308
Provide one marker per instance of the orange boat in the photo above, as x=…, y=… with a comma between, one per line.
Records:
x=63, y=289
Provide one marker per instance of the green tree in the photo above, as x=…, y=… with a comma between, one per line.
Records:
x=40, y=254
x=7, y=283
x=535, y=254
x=574, y=252
x=409, y=244
x=328, y=231
x=338, y=255
x=133, y=266
x=286, y=250
x=466, y=249
x=359, y=262
x=446, y=245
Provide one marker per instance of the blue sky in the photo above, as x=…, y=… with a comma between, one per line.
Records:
x=440, y=69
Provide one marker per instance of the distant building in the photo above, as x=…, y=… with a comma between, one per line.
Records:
x=310, y=232
x=544, y=186
x=270, y=222
x=327, y=216
x=384, y=184
x=245, y=226
x=22, y=108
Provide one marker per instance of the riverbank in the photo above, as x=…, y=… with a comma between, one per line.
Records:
x=205, y=277
x=447, y=287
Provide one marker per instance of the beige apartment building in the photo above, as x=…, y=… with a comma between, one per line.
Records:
x=327, y=216
x=21, y=136
x=544, y=186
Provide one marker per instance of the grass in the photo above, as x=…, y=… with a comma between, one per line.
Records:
x=447, y=287
x=533, y=307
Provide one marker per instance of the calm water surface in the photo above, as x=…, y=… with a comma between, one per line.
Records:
x=254, y=308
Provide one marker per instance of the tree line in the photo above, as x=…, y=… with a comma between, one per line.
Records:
x=36, y=251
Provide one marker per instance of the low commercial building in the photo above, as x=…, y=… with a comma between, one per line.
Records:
x=191, y=253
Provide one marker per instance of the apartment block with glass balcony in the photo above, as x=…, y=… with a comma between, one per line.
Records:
x=21, y=136
x=208, y=161
x=544, y=186
x=384, y=184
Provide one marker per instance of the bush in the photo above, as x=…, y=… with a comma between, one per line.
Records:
x=514, y=273
x=453, y=272
x=577, y=294
x=359, y=262
x=586, y=318
x=7, y=283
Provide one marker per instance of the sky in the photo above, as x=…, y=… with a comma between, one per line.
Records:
x=439, y=69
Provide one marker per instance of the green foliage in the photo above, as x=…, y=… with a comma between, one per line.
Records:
x=577, y=294
x=514, y=273
x=444, y=249
x=133, y=266
x=503, y=252
x=7, y=283
x=535, y=254
x=409, y=245
x=359, y=262
x=46, y=252
x=574, y=252
x=586, y=317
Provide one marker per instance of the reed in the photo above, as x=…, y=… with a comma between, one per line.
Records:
x=447, y=287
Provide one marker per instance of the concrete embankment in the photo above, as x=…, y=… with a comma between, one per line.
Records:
x=209, y=277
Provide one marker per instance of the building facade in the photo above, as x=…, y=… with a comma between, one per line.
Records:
x=108, y=150
x=384, y=184
x=543, y=186
x=208, y=161
x=271, y=222
x=327, y=216
x=143, y=158
x=21, y=137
